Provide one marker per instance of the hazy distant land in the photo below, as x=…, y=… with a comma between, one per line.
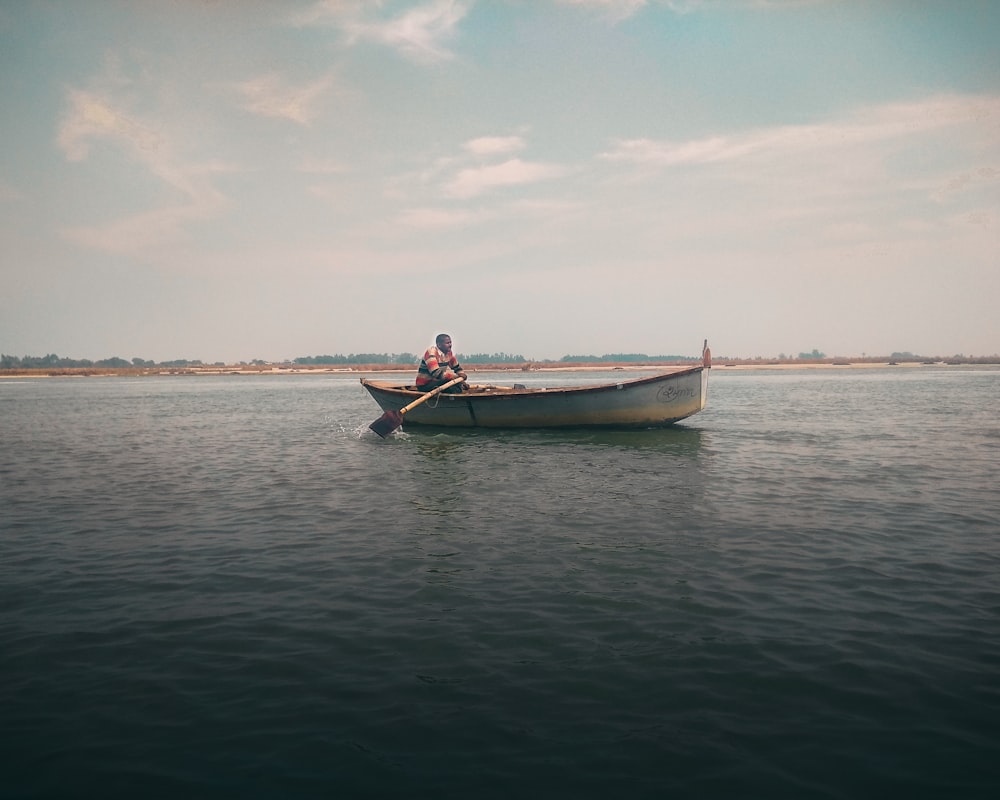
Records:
x=28, y=367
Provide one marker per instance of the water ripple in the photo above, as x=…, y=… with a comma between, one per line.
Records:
x=236, y=590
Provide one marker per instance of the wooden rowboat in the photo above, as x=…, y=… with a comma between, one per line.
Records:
x=651, y=402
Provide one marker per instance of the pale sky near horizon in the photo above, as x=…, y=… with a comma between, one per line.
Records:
x=228, y=180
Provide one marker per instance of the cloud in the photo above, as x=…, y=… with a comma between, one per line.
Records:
x=481, y=165
x=966, y=181
x=418, y=33
x=464, y=177
x=493, y=145
x=437, y=218
x=875, y=175
x=147, y=232
x=474, y=181
x=553, y=212
x=139, y=233
x=268, y=96
x=318, y=166
x=616, y=9
x=330, y=12
x=871, y=126
x=90, y=118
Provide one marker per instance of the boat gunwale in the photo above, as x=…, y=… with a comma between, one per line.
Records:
x=407, y=391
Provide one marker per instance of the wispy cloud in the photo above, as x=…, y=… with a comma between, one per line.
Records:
x=420, y=34
x=269, y=96
x=871, y=126
x=966, y=181
x=90, y=118
x=145, y=232
x=319, y=166
x=483, y=166
x=141, y=233
x=474, y=181
x=494, y=145
x=616, y=9
x=874, y=175
x=437, y=218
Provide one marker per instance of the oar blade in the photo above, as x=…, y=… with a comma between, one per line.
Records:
x=387, y=423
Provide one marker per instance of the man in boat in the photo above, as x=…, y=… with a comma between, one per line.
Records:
x=440, y=365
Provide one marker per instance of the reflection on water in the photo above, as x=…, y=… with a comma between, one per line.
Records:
x=678, y=440
x=683, y=439
x=575, y=480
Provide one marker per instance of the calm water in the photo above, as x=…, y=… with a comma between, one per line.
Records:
x=229, y=587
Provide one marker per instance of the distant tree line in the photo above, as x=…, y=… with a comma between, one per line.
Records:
x=493, y=358
x=357, y=358
x=53, y=361
x=624, y=358
x=406, y=358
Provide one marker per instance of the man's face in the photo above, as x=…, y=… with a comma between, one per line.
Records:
x=446, y=344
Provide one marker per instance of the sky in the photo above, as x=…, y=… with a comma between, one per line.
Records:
x=230, y=180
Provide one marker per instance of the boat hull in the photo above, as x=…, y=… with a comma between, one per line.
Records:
x=652, y=402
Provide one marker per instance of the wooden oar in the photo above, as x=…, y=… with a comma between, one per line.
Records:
x=391, y=420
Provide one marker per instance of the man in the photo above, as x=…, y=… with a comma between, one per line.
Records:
x=440, y=365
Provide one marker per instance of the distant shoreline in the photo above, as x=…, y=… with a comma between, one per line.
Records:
x=362, y=369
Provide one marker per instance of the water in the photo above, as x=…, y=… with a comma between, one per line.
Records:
x=229, y=587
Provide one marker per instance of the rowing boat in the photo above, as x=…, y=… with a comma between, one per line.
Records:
x=651, y=402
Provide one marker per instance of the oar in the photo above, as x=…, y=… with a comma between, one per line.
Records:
x=391, y=420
